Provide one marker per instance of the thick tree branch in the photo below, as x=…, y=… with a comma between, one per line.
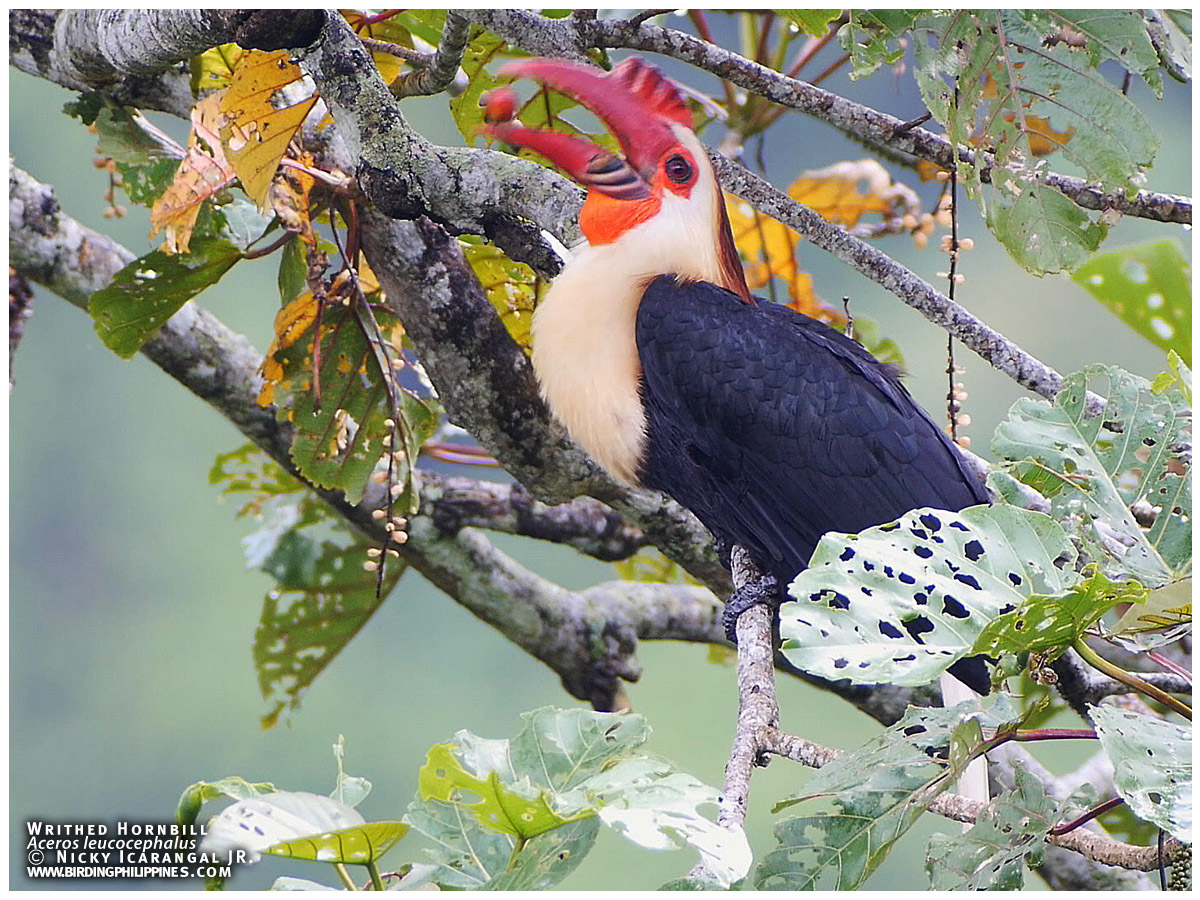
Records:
x=587, y=637
x=586, y=524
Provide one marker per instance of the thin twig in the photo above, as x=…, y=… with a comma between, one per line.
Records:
x=440, y=73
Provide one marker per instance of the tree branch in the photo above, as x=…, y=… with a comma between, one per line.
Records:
x=587, y=637
x=584, y=523
x=440, y=73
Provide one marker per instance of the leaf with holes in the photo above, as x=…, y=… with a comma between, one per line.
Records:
x=1093, y=474
x=876, y=37
x=899, y=603
x=1153, y=762
x=1009, y=835
x=1056, y=621
x=256, y=131
x=323, y=598
x=877, y=792
x=302, y=826
x=1149, y=286
x=564, y=765
x=151, y=289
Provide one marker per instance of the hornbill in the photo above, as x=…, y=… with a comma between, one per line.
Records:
x=770, y=426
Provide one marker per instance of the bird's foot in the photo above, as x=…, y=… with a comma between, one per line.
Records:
x=762, y=591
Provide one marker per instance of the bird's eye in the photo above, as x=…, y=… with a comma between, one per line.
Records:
x=678, y=169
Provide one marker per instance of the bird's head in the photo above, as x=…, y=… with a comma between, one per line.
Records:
x=664, y=175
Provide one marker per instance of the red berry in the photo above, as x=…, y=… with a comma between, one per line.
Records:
x=499, y=105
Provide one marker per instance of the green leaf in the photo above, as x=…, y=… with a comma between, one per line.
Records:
x=513, y=287
x=1165, y=617
x=360, y=844
x=876, y=37
x=943, y=574
x=1149, y=286
x=444, y=777
x=1056, y=621
x=548, y=858
x=814, y=22
x=195, y=796
x=300, y=825
x=1009, y=834
x=480, y=798
x=293, y=271
x=323, y=599
x=148, y=291
x=1153, y=762
x=1027, y=85
x=877, y=792
x=1093, y=475
x=543, y=110
x=339, y=442
x=1042, y=229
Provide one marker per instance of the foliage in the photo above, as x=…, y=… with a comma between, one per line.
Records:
x=515, y=814
x=877, y=793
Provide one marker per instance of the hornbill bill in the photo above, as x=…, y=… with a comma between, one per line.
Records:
x=770, y=426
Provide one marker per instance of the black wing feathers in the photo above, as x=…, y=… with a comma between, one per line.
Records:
x=774, y=428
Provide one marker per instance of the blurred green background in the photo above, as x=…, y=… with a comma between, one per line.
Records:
x=132, y=611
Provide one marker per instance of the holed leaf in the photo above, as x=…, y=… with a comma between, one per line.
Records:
x=564, y=765
x=1093, y=468
x=300, y=825
x=323, y=599
x=1009, y=834
x=1150, y=287
x=1153, y=762
x=256, y=131
x=878, y=792
x=899, y=603
x=151, y=289
x=1055, y=622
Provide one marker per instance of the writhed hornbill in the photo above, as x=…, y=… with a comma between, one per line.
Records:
x=770, y=426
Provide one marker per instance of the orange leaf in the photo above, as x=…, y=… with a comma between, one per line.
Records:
x=257, y=133
x=290, y=323
x=202, y=172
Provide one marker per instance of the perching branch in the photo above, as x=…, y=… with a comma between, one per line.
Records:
x=587, y=637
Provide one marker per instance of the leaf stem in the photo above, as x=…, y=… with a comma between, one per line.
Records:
x=376, y=878
x=1087, y=816
x=340, y=868
x=1095, y=659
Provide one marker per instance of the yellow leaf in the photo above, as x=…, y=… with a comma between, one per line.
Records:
x=769, y=250
x=213, y=69
x=512, y=287
x=390, y=30
x=290, y=194
x=844, y=192
x=257, y=133
x=202, y=172
x=290, y=323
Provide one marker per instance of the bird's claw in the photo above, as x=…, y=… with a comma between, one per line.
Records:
x=762, y=591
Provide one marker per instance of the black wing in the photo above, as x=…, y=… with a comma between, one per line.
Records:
x=774, y=428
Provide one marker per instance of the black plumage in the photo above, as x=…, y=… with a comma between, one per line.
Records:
x=774, y=428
